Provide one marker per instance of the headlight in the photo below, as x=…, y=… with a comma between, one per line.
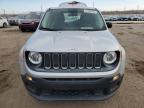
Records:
x=110, y=57
x=35, y=58
x=32, y=22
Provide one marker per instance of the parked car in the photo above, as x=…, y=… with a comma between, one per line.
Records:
x=107, y=18
x=142, y=18
x=123, y=18
x=14, y=21
x=113, y=18
x=30, y=22
x=136, y=18
x=3, y=22
x=72, y=56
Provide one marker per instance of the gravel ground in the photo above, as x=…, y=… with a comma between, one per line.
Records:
x=130, y=94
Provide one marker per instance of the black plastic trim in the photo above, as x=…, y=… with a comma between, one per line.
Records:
x=68, y=89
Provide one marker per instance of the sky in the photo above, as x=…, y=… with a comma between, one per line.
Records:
x=22, y=6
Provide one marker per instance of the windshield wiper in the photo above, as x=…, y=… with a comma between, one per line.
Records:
x=47, y=29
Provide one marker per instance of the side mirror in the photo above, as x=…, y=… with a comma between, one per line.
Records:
x=109, y=24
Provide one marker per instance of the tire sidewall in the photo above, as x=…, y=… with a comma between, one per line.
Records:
x=4, y=25
x=23, y=30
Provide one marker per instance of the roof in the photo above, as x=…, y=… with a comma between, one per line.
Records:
x=72, y=5
x=72, y=8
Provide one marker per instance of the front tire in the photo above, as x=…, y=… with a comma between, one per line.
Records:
x=5, y=25
x=23, y=30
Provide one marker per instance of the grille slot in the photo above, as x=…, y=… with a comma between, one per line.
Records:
x=89, y=61
x=64, y=61
x=72, y=61
x=97, y=57
x=81, y=61
x=47, y=61
x=55, y=61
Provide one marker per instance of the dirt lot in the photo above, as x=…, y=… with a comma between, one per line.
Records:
x=130, y=94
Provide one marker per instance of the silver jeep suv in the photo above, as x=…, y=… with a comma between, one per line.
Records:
x=72, y=56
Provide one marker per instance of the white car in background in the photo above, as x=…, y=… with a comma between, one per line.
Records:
x=3, y=22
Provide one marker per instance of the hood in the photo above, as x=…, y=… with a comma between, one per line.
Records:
x=28, y=20
x=72, y=41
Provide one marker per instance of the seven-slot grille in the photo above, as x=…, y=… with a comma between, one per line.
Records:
x=72, y=60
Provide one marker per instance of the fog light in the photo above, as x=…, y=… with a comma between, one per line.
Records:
x=116, y=77
x=28, y=78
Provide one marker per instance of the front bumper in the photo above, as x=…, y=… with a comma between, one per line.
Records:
x=28, y=26
x=72, y=89
x=13, y=23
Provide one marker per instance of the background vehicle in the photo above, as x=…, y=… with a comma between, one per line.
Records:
x=135, y=18
x=113, y=18
x=14, y=21
x=142, y=18
x=123, y=18
x=30, y=22
x=3, y=22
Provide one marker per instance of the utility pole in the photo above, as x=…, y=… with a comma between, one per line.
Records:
x=4, y=12
x=41, y=6
x=93, y=3
x=124, y=8
x=138, y=7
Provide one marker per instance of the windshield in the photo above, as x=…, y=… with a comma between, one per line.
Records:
x=72, y=19
x=30, y=16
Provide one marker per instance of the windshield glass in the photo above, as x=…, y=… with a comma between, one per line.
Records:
x=72, y=19
x=32, y=16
